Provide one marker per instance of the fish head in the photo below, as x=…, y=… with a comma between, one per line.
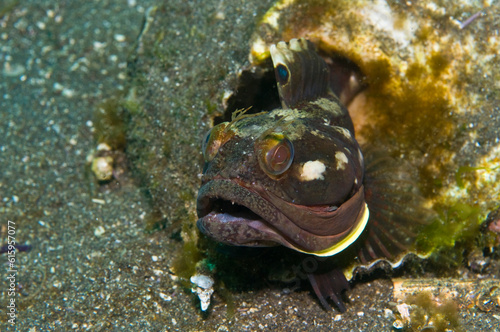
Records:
x=292, y=176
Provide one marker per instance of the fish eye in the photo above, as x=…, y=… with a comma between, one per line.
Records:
x=283, y=73
x=275, y=153
x=213, y=140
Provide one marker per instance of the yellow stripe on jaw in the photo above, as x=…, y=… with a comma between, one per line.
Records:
x=347, y=241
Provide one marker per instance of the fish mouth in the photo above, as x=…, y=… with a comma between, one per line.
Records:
x=230, y=213
x=233, y=213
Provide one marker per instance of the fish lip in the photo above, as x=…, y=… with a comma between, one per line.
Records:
x=266, y=225
x=240, y=226
x=221, y=189
x=247, y=227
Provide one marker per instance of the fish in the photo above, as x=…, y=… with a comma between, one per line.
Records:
x=292, y=176
x=295, y=176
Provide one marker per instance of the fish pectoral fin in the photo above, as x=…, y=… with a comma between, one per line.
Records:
x=329, y=285
x=301, y=74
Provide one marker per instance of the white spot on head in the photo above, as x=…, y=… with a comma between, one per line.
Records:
x=341, y=159
x=313, y=170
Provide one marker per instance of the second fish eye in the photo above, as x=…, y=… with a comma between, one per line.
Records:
x=214, y=139
x=275, y=153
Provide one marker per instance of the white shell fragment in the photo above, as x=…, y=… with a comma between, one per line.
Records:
x=103, y=168
x=203, y=289
x=404, y=311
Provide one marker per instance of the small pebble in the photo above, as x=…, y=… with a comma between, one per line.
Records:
x=388, y=313
x=99, y=231
x=98, y=201
x=398, y=324
x=404, y=311
x=103, y=168
x=119, y=38
x=103, y=147
x=165, y=297
x=13, y=70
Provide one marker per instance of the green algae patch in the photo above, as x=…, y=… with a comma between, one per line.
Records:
x=428, y=315
x=467, y=174
x=459, y=222
x=186, y=259
x=110, y=123
x=188, y=256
